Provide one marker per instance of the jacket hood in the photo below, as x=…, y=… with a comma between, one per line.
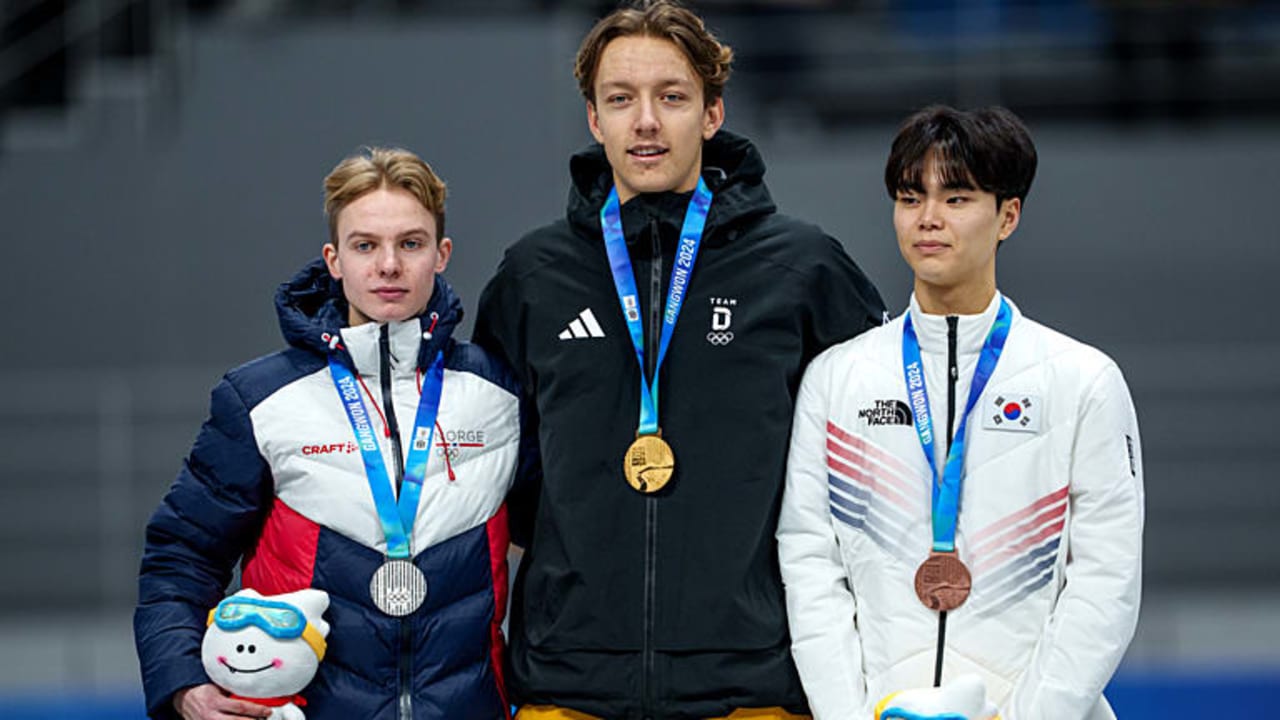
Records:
x=312, y=311
x=731, y=166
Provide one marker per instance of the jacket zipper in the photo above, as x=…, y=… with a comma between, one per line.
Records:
x=650, y=502
x=393, y=429
x=953, y=375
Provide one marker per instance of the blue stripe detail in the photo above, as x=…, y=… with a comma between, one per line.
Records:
x=882, y=508
x=847, y=504
x=1023, y=576
x=871, y=524
x=1019, y=597
x=859, y=522
x=1013, y=566
x=848, y=488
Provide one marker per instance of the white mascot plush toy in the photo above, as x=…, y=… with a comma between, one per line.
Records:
x=964, y=698
x=266, y=649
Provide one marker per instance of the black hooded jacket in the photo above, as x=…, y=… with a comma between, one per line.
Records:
x=668, y=605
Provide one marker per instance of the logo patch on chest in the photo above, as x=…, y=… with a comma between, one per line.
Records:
x=1017, y=412
x=457, y=444
x=886, y=412
x=721, y=320
x=585, y=325
x=345, y=448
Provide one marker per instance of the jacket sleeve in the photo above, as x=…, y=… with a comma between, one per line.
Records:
x=500, y=329
x=1097, y=610
x=821, y=607
x=211, y=514
x=522, y=501
x=841, y=301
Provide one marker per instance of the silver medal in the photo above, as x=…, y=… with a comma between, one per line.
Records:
x=398, y=588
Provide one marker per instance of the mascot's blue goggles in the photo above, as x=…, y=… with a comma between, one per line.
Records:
x=280, y=620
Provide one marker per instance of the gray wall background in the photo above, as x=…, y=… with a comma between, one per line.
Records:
x=145, y=234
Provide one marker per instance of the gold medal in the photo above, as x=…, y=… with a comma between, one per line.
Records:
x=942, y=581
x=649, y=463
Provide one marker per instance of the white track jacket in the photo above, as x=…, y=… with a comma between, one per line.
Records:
x=1050, y=524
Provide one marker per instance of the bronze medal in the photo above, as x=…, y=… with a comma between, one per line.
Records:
x=942, y=581
x=649, y=463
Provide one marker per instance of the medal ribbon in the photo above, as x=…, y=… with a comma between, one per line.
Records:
x=624, y=281
x=397, y=519
x=946, y=486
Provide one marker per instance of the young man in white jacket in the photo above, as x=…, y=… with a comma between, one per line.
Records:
x=964, y=490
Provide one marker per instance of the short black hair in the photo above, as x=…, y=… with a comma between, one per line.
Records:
x=988, y=149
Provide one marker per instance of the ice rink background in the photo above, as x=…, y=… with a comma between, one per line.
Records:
x=148, y=219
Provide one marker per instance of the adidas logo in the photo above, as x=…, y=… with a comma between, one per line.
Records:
x=583, y=326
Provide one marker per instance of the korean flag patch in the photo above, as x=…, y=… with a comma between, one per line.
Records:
x=1016, y=412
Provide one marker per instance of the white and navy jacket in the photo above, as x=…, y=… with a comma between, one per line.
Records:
x=1050, y=521
x=276, y=482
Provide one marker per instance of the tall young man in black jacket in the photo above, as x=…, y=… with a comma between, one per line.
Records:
x=650, y=585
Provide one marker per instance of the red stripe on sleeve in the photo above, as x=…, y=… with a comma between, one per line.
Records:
x=984, y=564
x=870, y=482
x=874, y=452
x=1054, y=497
x=499, y=541
x=284, y=558
x=867, y=469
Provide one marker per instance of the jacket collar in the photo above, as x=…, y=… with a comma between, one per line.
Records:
x=363, y=341
x=313, y=316
x=731, y=166
x=971, y=330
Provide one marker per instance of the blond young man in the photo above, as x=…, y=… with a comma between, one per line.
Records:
x=370, y=460
x=649, y=588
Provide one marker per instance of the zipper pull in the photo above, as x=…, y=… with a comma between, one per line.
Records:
x=435, y=318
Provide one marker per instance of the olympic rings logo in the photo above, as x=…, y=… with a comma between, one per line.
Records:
x=720, y=338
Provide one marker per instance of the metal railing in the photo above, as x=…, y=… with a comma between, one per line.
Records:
x=85, y=51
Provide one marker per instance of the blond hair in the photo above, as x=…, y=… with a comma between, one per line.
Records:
x=375, y=168
x=665, y=20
